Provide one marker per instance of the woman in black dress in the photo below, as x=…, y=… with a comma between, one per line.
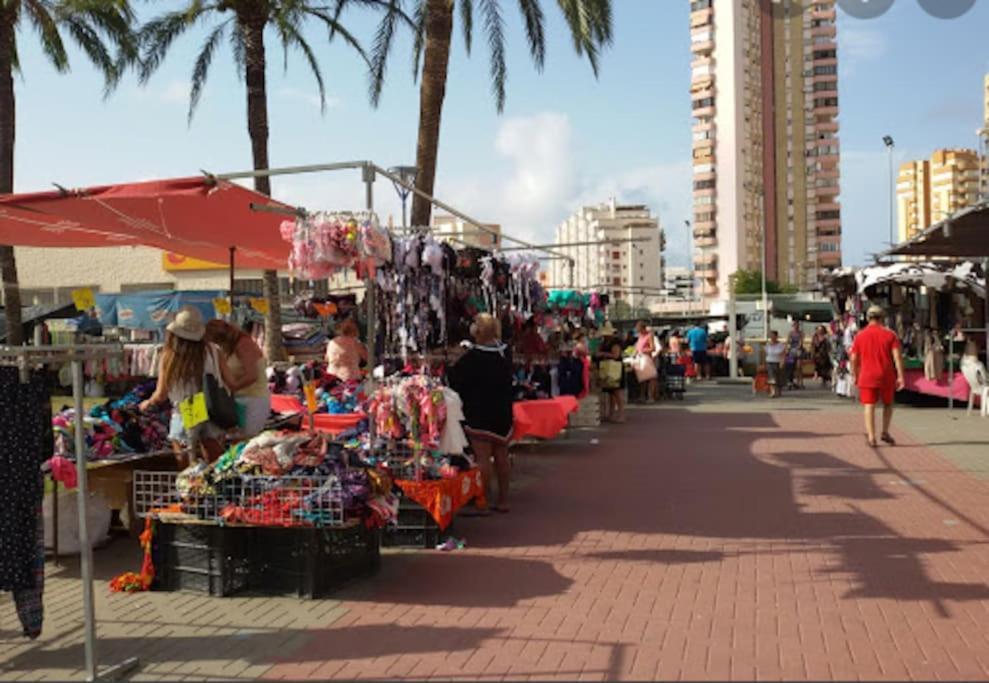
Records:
x=483, y=378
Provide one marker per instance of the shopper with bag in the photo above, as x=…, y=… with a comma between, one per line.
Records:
x=611, y=378
x=643, y=364
x=194, y=378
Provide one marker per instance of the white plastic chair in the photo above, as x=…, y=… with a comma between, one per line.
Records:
x=978, y=383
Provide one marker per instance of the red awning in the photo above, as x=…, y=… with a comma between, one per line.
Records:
x=197, y=217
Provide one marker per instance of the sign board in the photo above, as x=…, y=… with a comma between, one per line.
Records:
x=84, y=299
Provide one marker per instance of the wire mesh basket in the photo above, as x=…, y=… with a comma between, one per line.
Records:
x=400, y=458
x=279, y=501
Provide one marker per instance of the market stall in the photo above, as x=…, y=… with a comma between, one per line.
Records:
x=933, y=307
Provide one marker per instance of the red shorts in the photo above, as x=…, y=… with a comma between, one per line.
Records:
x=872, y=395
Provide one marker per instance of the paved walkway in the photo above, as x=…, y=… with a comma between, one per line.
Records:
x=713, y=539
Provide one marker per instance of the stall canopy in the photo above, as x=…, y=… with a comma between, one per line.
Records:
x=937, y=276
x=963, y=235
x=200, y=217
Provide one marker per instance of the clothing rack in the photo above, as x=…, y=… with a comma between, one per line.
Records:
x=26, y=357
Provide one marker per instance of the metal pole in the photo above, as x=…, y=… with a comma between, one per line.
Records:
x=892, y=205
x=86, y=549
x=765, y=299
x=288, y=170
x=368, y=175
x=233, y=250
x=732, y=332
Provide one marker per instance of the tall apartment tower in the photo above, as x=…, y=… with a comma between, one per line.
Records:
x=927, y=192
x=764, y=89
x=984, y=142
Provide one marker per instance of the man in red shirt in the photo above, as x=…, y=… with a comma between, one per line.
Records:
x=877, y=363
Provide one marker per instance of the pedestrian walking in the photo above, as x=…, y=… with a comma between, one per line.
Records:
x=821, y=353
x=697, y=340
x=877, y=364
x=775, y=354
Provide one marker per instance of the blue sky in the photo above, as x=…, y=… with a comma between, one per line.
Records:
x=564, y=138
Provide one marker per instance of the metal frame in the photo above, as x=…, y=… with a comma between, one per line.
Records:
x=77, y=354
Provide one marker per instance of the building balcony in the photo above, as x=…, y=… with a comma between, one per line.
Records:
x=701, y=17
x=830, y=30
x=824, y=14
x=829, y=259
x=706, y=242
x=825, y=126
x=829, y=206
x=825, y=111
x=827, y=226
x=707, y=174
x=825, y=61
x=705, y=192
x=703, y=112
x=827, y=191
x=702, y=47
x=708, y=272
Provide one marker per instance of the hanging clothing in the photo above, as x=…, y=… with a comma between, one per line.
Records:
x=452, y=439
x=25, y=443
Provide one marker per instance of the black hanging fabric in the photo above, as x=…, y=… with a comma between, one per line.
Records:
x=25, y=443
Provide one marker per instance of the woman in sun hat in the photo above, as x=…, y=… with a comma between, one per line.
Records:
x=185, y=358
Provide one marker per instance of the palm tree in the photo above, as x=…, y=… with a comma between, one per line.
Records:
x=590, y=27
x=243, y=23
x=97, y=27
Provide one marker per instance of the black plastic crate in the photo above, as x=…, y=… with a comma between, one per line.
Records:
x=416, y=528
x=201, y=558
x=312, y=562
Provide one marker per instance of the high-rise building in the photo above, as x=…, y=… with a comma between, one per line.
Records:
x=913, y=198
x=604, y=259
x=927, y=192
x=764, y=87
x=450, y=226
x=984, y=141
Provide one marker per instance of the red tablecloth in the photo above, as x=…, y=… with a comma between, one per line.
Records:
x=916, y=381
x=324, y=422
x=544, y=418
x=444, y=497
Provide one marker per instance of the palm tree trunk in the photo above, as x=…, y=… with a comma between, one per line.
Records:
x=8, y=264
x=257, y=128
x=432, y=90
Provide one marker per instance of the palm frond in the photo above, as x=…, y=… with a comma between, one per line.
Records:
x=89, y=40
x=292, y=37
x=590, y=23
x=238, y=50
x=47, y=28
x=335, y=27
x=494, y=27
x=419, y=15
x=467, y=23
x=157, y=36
x=201, y=69
x=383, y=41
x=532, y=14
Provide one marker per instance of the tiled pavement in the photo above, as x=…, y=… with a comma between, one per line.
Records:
x=711, y=540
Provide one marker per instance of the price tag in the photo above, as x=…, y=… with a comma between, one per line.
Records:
x=260, y=305
x=83, y=299
x=193, y=411
x=221, y=306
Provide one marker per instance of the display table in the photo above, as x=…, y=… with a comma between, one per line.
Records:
x=544, y=418
x=916, y=381
x=323, y=422
x=442, y=498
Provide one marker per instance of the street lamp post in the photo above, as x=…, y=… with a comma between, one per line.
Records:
x=890, y=145
x=690, y=265
x=407, y=174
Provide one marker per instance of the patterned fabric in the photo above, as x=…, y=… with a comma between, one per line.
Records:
x=442, y=498
x=25, y=443
x=29, y=603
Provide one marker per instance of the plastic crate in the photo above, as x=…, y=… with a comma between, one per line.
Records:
x=311, y=562
x=416, y=528
x=201, y=558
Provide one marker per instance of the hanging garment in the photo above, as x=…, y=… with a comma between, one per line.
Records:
x=452, y=440
x=933, y=357
x=25, y=443
x=29, y=601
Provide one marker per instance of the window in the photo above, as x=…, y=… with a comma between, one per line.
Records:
x=617, y=281
x=828, y=215
x=826, y=102
x=616, y=255
x=704, y=102
x=825, y=54
x=704, y=184
x=697, y=5
x=825, y=85
x=828, y=70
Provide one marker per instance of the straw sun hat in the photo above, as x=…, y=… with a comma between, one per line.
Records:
x=188, y=324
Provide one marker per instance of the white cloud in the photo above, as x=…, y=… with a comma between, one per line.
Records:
x=175, y=92
x=857, y=46
x=306, y=97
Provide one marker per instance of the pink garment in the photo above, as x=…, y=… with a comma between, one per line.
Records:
x=644, y=344
x=64, y=470
x=343, y=357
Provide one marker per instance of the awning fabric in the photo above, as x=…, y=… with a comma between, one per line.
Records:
x=942, y=277
x=198, y=217
x=964, y=235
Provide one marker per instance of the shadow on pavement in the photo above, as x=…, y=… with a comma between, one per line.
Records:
x=262, y=646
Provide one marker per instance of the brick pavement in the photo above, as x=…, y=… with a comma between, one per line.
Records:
x=711, y=542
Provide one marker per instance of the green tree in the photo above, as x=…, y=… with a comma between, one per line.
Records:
x=750, y=282
x=589, y=22
x=102, y=29
x=244, y=23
